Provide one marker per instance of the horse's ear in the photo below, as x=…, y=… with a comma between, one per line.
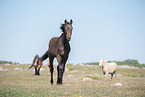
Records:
x=71, y=21
x=65, y=21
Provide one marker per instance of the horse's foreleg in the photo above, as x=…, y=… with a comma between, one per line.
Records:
x=106, y=74
x=60, y=69
x=51, y=69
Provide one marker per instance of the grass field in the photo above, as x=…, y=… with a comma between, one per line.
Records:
x=18, y=81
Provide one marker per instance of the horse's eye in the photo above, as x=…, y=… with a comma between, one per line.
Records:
x=68, y=28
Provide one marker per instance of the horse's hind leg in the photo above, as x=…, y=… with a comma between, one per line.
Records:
x=115, y=74
x=38, y=71
x=51, y=69
x=48, y=68
x=112, y=76
x=39, y=66
x=35, y=70
x=106, y=74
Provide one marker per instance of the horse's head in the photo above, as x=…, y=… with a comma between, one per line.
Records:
x=100, y=62
x=67, y=29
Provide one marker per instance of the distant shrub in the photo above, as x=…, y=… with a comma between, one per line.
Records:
x=9, y=62
x=4, y=62
x=71, y=69
x=92, y=63
x=69, y=64
x=141, y=65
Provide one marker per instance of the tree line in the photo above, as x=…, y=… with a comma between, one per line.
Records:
x=129, y=62
x=8, y=62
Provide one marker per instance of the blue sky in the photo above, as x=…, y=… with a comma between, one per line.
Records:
x=109, y=29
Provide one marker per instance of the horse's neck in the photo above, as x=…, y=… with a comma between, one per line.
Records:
x=62, y=39
x=105, y=63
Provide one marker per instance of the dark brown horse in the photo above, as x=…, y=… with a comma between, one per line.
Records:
x=59, y=47
x=37, y=64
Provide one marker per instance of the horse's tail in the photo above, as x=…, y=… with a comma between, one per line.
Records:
x=31, y=66
x=45, y=56
x=33, y=62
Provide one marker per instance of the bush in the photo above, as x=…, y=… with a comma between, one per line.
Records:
x=9, y=62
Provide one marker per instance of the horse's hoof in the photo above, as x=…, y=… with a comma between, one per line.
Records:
x=59, y=82
x=51, y=82
x=36, y=74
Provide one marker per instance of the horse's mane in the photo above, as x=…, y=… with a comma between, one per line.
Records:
x=62, y=26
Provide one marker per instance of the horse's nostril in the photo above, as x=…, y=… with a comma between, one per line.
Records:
x=68, y=38
x=35, y=64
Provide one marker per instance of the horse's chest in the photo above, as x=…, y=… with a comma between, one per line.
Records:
x=64, y=50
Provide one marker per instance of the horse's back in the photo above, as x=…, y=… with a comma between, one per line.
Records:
x=53, y=41
x=52, y=47
x=112, y=66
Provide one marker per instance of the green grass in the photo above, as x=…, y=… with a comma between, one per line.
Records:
x=23, y=83
x=95, y=77
x=133, y=75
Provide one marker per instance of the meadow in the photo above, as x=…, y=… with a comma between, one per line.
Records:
x=78, y=81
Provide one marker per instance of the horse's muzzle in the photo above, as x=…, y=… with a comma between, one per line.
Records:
x=35, y=64
x=68, y=38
